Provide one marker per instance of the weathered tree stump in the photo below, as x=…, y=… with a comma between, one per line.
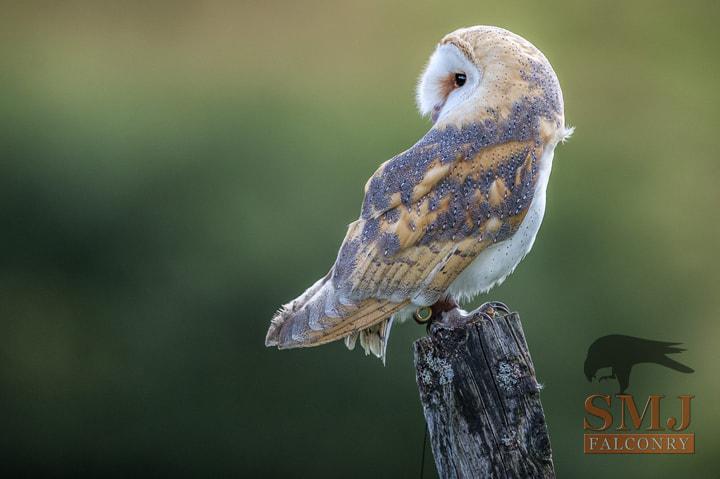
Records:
x=481, y=399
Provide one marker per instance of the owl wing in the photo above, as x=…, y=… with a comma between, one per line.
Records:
x=427, y=213
x=426, y=217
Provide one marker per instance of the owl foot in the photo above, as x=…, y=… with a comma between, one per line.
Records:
x=430, y=314
x=492, y=307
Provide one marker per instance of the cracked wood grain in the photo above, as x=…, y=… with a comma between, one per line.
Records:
x=481, y=399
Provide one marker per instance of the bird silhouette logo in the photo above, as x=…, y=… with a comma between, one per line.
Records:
x=621, y=353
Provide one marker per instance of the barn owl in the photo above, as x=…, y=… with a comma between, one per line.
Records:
x=453, y=215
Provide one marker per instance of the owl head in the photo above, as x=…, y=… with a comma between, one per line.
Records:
x=482, y=71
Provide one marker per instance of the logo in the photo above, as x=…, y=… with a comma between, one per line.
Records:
x=621, y=353
x=634, y=432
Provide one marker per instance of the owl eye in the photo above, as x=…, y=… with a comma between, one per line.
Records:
x=460, y=79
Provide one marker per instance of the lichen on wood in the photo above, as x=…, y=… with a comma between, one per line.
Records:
x=481, y=399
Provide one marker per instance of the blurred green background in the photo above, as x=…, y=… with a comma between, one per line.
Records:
x=170, y=173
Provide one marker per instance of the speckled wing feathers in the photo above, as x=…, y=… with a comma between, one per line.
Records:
x=429, y=211
x=412, y=243
x=409, y=245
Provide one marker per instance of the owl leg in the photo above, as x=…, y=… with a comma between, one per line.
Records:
x=429, y=314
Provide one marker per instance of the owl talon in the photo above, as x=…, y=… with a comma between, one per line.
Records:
x=487, y=316
x=492, y=307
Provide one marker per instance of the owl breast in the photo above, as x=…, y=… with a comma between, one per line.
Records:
x=494, y=264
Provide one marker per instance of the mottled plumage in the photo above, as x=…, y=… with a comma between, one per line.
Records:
x=460, y=194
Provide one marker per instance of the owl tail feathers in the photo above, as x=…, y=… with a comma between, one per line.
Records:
x=272, y=338
x=287, y=312
x=318, y=317
x=373, y=339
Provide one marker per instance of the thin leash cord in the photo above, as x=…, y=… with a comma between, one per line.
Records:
x=422, y=463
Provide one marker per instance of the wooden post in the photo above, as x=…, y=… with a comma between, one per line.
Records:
x=481, y=399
